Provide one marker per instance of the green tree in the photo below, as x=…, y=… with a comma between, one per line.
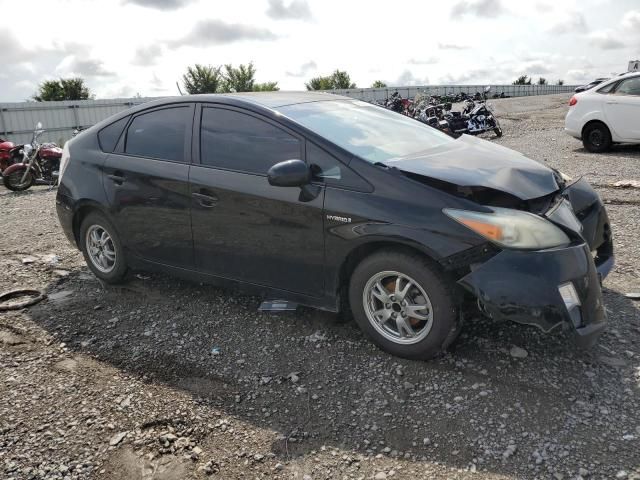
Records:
x=62, y=89
x=560, y=82
x=265, y=87
x=523, y=80
x=240, y=79
x=338, y=79
x=378, y=84
x=342, y=80
x=202, y=79
x=320, y=83
x=542, y=81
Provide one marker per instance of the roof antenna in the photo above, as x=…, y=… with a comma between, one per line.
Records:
x=178, y=85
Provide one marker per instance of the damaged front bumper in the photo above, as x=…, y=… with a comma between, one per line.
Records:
x=556, y=287
x=525, y=287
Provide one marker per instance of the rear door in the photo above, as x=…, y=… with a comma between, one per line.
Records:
x=243, y=228
x=622, y=109
x=147, y=183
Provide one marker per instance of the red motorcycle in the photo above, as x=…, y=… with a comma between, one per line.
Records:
x=6, y=154
x=39, y=164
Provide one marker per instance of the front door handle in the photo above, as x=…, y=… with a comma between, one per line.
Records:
x=117, y=179
x=206, y=201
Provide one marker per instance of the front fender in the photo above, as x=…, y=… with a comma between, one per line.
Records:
x=16, y=167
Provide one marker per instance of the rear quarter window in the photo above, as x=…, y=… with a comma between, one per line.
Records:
x=608, y=88
x=108, y=137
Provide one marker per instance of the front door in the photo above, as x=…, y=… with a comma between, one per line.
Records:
x=243, y=228
x=147, y=184
x=622, y=109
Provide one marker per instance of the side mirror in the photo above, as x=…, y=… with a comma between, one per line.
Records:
x=290, y=173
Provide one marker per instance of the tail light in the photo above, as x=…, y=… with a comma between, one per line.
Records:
x=64, y=160
x=573, y=101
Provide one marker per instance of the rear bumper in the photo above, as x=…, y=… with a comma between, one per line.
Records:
x=573, y=124
x=64, y=209
x=574, y=133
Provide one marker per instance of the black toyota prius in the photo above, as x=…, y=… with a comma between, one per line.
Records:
x=337, y=204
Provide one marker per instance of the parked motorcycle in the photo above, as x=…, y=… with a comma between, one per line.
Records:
x=40, y=164
x=6, y=153
x=475, y=118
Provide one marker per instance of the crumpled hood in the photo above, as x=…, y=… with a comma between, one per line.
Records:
x=472, y=162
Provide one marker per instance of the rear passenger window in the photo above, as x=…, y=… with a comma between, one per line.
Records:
x=108, y=137
x=630, y=86
x=237, y=141
x=159, y=134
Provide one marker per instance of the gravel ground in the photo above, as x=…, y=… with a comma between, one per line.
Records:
x=161, y=379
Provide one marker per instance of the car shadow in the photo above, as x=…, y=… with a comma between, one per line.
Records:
x=317, y=381
x=626, y=151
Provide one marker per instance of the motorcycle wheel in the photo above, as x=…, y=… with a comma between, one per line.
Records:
x=498, y=132
x=14, y=182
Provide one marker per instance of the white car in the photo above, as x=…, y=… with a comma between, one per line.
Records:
x=607, y=113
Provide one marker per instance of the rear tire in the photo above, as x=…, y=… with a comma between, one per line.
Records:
x=596, y=137
x=102, y=248
x=418, y=324
x=13, y=181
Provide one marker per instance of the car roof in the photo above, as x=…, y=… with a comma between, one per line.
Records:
x=615, y=79
x=269, y=99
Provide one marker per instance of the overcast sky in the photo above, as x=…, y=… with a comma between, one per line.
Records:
x=124, y=47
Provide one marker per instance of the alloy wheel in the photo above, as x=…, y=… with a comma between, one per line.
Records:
x=398, y=307
x=100, y=248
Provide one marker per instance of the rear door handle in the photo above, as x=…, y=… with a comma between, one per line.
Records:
x=206, y=201
x=117, y=179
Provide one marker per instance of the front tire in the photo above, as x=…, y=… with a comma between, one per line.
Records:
x=596, y=137
x=102, y=248
x=404, y=304
x=14, y=182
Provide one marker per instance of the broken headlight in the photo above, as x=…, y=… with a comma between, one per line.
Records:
x=511, y=228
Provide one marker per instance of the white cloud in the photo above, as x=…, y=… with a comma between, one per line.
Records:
x=478, y=8
x=536, y=67
x=146, y=45
x=570, y=23
x=606, y=40
x=304, y=69
x=631, y=21
x=452, y=46
x=296, y=10
x=423, y=61
x=161, y=4
x=408, y=78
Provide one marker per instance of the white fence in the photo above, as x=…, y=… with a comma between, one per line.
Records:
x=59, y=119
x=371, y=94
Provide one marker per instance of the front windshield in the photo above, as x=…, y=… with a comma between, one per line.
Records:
x=368, y=131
